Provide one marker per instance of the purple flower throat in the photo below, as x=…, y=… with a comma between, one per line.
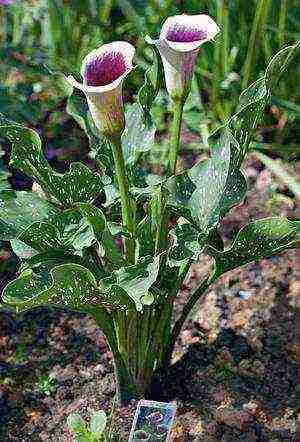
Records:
x=183, y=34
x=104, y=69
x=6, y=2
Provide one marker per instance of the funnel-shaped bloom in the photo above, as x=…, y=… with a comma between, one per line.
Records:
x=179, y=42
x=103, y=71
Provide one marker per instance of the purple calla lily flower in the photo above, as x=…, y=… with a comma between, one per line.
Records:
x=179, y=42
x=103, y=71
x=6, y=2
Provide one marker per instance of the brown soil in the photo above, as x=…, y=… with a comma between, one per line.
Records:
x=234, y=367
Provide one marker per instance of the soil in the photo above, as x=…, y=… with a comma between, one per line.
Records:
x=233, y=376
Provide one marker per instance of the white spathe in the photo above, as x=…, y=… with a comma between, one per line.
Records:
x=179, y=42
x=103, y=71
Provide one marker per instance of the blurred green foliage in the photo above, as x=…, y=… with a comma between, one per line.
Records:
x=59, y=33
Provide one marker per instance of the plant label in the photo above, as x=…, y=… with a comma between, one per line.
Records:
x=152, y=421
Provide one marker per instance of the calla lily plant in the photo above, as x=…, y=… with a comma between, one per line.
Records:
x=93, y=241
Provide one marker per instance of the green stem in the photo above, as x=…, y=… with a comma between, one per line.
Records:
x=142, y=340
x=124, y=382
x=17, y=28
x=128, y=212
x=263, y=29
x=225, y=43
x=175, y=135
x=282, y=22
x=217, y=66
x=253, y=43
x=160, y=220
x=162, y=216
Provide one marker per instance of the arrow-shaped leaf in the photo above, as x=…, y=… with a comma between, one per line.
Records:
x=19, y=210
x=257, y=240
x=79, y=184
x=96, y=220
x=188, y=244
x=211, y=187
x=69, y=285
x=279, y=63
x=135, y=281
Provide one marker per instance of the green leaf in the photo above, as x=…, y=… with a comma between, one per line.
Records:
x=279, y=64
x=257, y=240
x=22, y=250
x=152, y=82
x=74, y=231
x=138, y=136
x=20, y=209
x=210, y=188
x=250, y=109
x=68, y=285
x=189, y=243
x=253, y=100
x=135, y=281
x=98, y=422
x=76, y=423
x=66, y=231
x=115, y=297
x=41, y=236
x=96, y=220
x=79, y=184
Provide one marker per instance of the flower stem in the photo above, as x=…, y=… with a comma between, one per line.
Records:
x=225, y=43
x=128, y=212
x=216, y=79
x=175, y=135
x=263, y=29
x=253, y=43
x=282, y=23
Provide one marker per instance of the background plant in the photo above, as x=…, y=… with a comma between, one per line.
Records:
x=96, y=431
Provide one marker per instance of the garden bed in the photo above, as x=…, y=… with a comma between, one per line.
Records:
x=234, y=366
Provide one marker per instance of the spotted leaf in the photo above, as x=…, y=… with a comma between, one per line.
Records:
x=136, y=280
x=19, y=210
x=79, y=184
x=211, y=187
x=257, y=240
x=138, y=136
x=97, y=222
x=68, y=285
x=188, y=244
